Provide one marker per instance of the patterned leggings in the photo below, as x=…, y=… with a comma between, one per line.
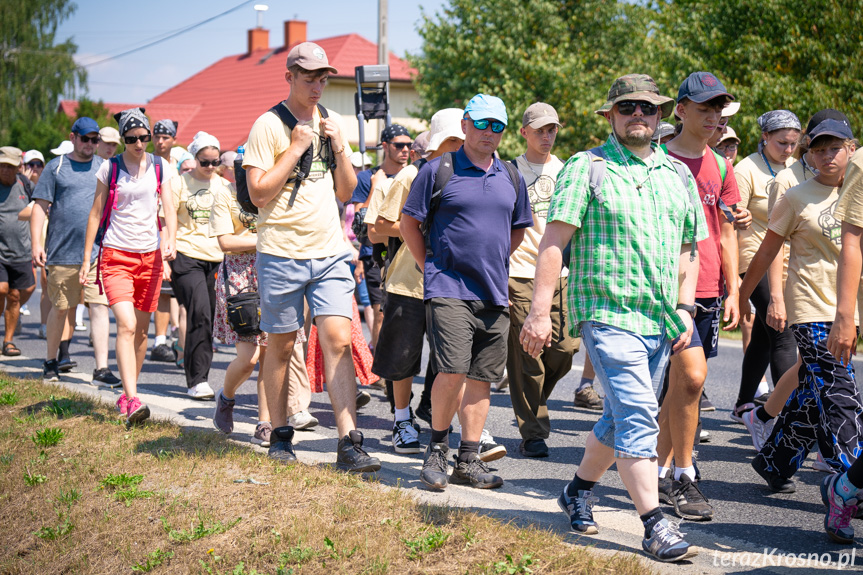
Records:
x=825, y=408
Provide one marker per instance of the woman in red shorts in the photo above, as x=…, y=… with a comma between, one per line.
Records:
x=130, y=262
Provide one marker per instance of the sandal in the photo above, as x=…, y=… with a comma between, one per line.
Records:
x=10, y=349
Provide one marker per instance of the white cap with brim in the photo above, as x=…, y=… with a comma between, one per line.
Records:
x=730, y=109
x=360, y=160
x=445, y=124
x=31, y=155
x=66, y=147
x=730, y=134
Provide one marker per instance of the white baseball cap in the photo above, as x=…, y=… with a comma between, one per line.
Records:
x=31, y=155
x=445, y=124
x=64, y=148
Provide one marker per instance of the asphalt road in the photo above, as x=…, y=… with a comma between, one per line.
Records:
x=751, y=530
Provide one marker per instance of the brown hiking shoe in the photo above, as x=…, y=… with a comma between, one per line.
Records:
x=587, y=398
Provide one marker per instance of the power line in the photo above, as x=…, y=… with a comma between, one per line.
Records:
x=169, y=36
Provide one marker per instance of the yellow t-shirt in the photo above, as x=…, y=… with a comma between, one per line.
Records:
x=194, y=200
x=377, y=199
x=805, y=216
x=754, y=181
x=850, y=207
x=227, y=217
x=404, y=277
x=797, y=173
x=310, y=228
x=540, y=180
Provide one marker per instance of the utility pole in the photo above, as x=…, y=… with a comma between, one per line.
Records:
x=383, y=52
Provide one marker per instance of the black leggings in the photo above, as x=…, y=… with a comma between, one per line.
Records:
x=766, y=346
x=194, y=282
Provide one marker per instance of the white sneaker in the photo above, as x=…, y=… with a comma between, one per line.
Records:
x=80, y=326
x=821, y=465
x=405, y=437
x=24, y=310
x=705, y=436
x=302, y=420
x=488, y=449
x=759, y=430
x=201, y=391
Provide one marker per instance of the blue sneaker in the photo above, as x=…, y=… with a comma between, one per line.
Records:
x=837, y=522
x=666, y=543
x=579, y=510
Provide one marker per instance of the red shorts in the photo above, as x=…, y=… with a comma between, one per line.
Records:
x=134, y=277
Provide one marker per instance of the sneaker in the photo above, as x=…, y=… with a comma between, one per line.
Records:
x=104, y=378
x=704, y=436
x=363, y=398
x=201, y=392
x=424, y=412
x=435, y=466
x=689, y=502
x=123, y=405
x=474, y=472
x=66, y=365
x=775, y=482
x=162, y=353
x=579, y=510
x=820, y=465
x=281, y=449
x=223, y=416
x=263, y=433
x=24, y=310
x=737, y=413
x=837, y=522
x=49, y=370
x=758, y=430
x=666, y=543
x=136, y=412
x=302, y=420
x=533, y=448
x=80, y=326
x=502, y=384
x=43, y=331
x=666, y=488
x=352, y=457
x=762, y=399
x=488, y=449
x=587, y=398
x=706, y=405
x=405, y=437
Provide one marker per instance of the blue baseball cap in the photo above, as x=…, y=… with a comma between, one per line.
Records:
x=84, y=126
x=701, y=87
x=485, y=107
x=831, y=127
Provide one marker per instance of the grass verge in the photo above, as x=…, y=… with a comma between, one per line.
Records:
x=81, y=494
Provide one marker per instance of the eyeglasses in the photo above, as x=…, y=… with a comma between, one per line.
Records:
x=401, y=145
x=208, y=163
x=35, y=164
x=132, y=139
x=88, y=139
x=728, y=147
x=627, y=108
x=496, y=127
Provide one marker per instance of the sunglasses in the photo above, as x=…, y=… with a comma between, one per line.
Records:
x=627, y=108
x=208, y=163
x=401, y=145
x=132, y=139
x=496, y=127
x=88, y=139
x=35, y=164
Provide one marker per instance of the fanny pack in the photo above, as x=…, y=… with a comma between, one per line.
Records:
x=243, y=309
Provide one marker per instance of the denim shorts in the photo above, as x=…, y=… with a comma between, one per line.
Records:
x=630, y=368
x=326, y=283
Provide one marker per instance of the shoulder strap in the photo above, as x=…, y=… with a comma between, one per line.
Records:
x=720, y=163
x=157, y=166
x=596, y=172
x=284, y=115
x=420, y=163
x=684, y=174
x=322, y=111
x=512, y=170
x=444, y=172
x=224, y=273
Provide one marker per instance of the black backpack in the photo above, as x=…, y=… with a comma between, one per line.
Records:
x=301, y=171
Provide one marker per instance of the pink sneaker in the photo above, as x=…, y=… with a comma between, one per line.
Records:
x=123, y=405
x=136, y=412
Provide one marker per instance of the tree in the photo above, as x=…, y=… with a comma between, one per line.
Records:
x=34, y=69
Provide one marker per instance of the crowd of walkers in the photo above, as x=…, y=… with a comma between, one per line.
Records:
x=639, y=250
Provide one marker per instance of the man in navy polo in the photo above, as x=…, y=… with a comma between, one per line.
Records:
x=479, y=222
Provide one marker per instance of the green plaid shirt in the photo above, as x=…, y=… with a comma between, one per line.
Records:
x=625, y=253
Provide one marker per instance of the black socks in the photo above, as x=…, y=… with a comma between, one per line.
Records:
x=578, y=484
x=650, y=519
x=63, y=352
x=466, y=449
x=440, y=436
x=762, y=414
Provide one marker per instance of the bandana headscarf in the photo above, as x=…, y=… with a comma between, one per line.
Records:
x=167, y=127
x=203, y=140
x=778, y=120
x=131, y=119
x=393, y=131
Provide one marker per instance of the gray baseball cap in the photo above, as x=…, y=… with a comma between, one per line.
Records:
x=309, y=56
x=538, y=115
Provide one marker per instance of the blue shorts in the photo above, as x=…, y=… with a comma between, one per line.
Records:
x=630, y=368
x=326, y=283
x=705, y=326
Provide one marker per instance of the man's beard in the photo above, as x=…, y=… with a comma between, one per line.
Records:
x=633, y=140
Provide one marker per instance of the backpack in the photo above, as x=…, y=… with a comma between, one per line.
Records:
x=444, y=172
x=358, y=225
x=27, y=185
x=384, y=254
x=117, y=164
x=301, y=170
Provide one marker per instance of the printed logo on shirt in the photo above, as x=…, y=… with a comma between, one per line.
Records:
x=199, y=204
x=249, y=220
x=540, y=192
x=830, y=226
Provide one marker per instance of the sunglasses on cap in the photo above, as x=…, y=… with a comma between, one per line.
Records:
x=209, y=163
x=401, y=145
x=627, y=107
x=88, y=139
x=496, y=126
x=35, y=164
x=132, y=139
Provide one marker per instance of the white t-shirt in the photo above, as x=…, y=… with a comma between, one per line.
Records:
x=133, y=226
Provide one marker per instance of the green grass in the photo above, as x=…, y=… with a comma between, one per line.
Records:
x=48, y=437
x=197, y=531
x=423, y=545
x=8, y=398
x=152, y=560
x=121, y=480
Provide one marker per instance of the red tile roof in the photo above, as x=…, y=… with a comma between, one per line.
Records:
x=226, y=97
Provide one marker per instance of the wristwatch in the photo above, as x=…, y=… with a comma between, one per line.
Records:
x=690, y=309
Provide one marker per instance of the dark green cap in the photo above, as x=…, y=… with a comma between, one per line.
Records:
x=640, y=87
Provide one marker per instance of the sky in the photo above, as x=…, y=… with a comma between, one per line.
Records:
x=102, y=29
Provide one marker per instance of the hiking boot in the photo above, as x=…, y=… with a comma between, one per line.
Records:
x=201, y=392
x=706, y=405
x=281, y=449
x=136, y=412
x=352, y=457
x=162, y=353
x=737, y=413
x=488, y=449
x=837, y=522
x=758, y=430
x=223, y=416
x=435, y=466
x=263, y=434
x=666, y=488
x=49, y=370
x=104, y=378
x=405, y=437
x=533, y=448
x=475, y=473
x=579, y=509
x=66, y=365
x=123, y=405
x=775, y=482
x=302, y=420
x=587, y=398
x=363, y=398
x=666, y=543
x=689, y=502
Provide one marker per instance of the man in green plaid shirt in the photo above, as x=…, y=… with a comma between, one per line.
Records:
x=631, y=292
